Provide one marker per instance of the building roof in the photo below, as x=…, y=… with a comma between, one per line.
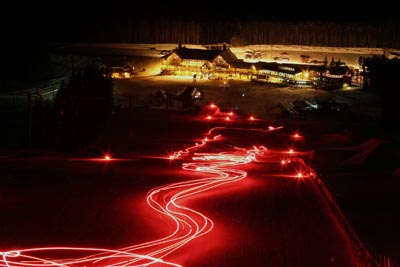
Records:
x=203, y=54
x=240, y=64
x=290, y=68
x=229, y=56
x=116, y=62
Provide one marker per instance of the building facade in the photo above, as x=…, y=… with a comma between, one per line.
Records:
x=223, y=64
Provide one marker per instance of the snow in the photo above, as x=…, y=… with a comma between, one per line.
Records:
x=266, y=52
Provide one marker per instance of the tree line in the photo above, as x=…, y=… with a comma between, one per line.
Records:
x=384, y=34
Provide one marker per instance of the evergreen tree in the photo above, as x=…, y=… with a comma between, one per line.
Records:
x=332, y=62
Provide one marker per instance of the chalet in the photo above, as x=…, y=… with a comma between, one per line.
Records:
x=117, y=67
x=243, y=70
x=337, y=76
x=124, y=72
x=200, y=62
x=299, y=75
x=223, y=64
x=303, y=75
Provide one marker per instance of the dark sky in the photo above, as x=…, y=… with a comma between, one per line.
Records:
x=276, y=10
x=324, y=10
x=34, y=20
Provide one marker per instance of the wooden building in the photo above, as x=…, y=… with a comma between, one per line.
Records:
x=200, y=62
x=223, y=64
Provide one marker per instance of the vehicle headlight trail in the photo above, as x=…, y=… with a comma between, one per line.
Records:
x=218, y=168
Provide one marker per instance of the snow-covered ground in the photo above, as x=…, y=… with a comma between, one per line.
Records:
x=266, y=52
x=294, y=53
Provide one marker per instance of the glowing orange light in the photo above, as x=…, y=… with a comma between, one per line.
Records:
x=283, y=162
x=213, y=106
x=291, y=151
x=231, y=113
x=252, y=118
x=227, y=118
x=299, y=175
x=209, y=117
x=107, y=157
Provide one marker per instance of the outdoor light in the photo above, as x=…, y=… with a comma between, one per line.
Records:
x=296, y=136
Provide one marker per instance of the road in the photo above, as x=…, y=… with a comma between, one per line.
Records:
x=192, y=193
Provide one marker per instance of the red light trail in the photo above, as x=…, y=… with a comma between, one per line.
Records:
x=219, y=168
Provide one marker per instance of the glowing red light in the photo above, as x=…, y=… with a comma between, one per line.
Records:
x=189, y=224
x=297, y=136
x=291, y=151
x=251, y=118
x=231, y=113
x=213, y=106
x=227, y=118
x=209, y=117
x=272, y=128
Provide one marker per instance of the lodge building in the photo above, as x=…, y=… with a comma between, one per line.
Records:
x=223, y=64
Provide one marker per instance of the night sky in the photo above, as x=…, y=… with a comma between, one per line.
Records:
x=34, y=18
x=275, y=11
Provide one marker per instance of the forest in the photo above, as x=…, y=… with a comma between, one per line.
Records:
x=237, y=33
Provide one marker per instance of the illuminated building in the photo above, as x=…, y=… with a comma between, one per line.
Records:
x=223, y=64
x=117, y=68
x=120, y=72
x=212, y=64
